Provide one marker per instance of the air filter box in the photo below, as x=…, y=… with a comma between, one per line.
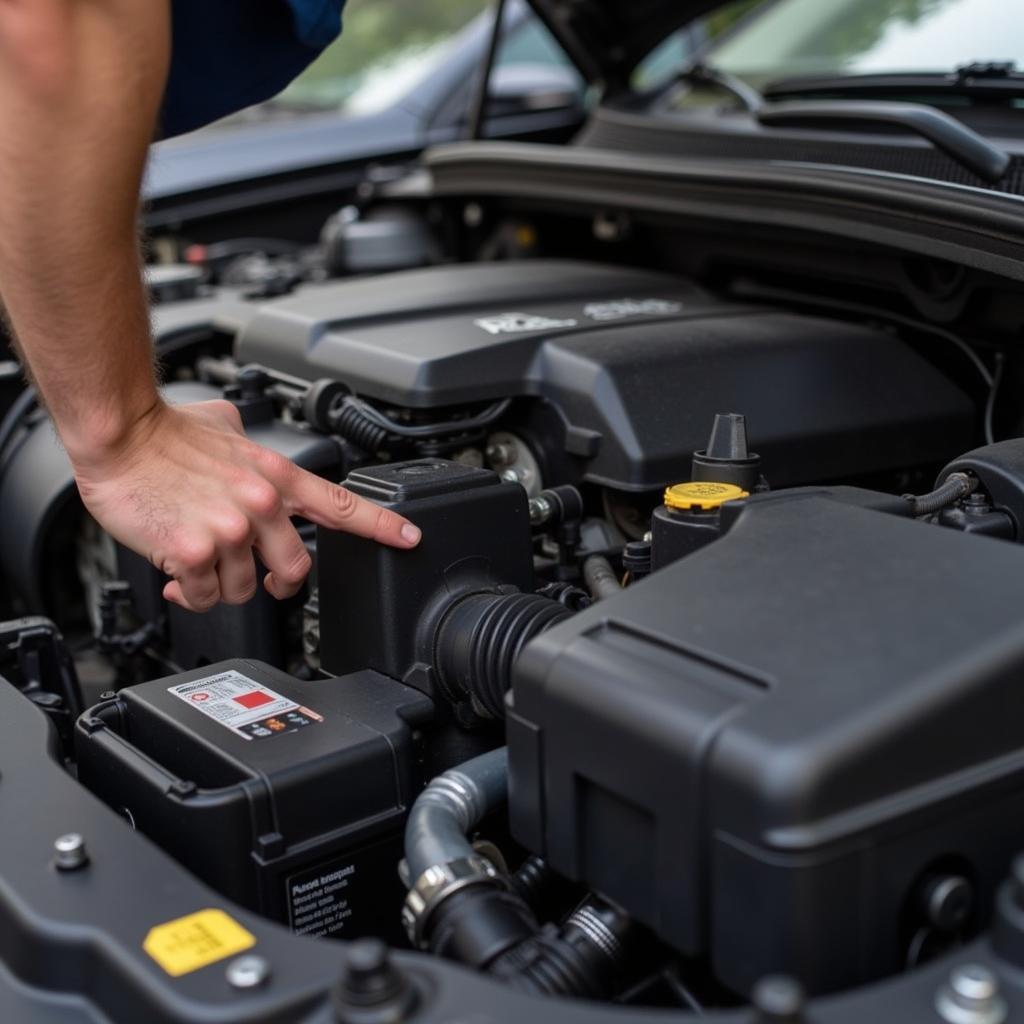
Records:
x=288, y=796
x=476, y=537
x=777, y=739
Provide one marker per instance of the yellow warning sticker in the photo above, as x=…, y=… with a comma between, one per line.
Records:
x=196, y=940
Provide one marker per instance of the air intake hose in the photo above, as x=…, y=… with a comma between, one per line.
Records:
x=479, y=639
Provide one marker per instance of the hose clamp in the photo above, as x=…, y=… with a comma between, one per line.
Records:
x=439, y=882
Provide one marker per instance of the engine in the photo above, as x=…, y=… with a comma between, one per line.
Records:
x=678, y=652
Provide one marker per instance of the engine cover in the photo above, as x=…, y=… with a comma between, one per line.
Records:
x=635, y=363
x=776, y=739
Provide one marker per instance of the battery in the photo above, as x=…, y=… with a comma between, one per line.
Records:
x=288, y=796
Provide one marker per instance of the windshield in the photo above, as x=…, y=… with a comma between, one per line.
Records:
x=388, y=48
x=785, y=38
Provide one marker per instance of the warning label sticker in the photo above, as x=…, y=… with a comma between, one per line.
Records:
x=318, y=901
x=355, y=892
x=188, y=943
x=244, y=706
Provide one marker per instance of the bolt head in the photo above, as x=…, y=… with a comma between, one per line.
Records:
x=70, y=852
x=778, y=999
x=950, y=901
x=367, y=956
x=45, y=699
x=501, y=453
x=369, y=976
x=248, y=972
x=971, y=996
x=973, y=982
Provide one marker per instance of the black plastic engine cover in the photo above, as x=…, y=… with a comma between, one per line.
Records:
x=637, y=364
x=760, y=750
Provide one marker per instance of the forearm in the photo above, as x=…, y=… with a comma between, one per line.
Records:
x=80, y=85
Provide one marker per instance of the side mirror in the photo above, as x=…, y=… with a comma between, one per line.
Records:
x=533, y=88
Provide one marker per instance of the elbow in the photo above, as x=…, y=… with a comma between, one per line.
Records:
x=37, y=44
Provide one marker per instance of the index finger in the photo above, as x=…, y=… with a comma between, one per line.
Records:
x=337, y=508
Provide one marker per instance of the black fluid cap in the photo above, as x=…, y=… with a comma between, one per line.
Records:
x=372, y=989
x=728, y=438
x=727, y=459
x=636, y=558
x=249, y=395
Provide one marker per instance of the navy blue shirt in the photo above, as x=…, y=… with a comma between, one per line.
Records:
x=229, y=54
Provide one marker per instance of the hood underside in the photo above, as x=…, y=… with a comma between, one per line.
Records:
x=608, y=38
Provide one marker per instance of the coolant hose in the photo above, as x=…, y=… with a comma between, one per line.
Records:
x=449, y=807
x=459, y=906
x=600, y=577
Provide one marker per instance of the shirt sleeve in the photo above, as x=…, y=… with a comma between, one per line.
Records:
x=233, y=53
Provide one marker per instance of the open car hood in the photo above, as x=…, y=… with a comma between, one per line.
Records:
x=608, y=38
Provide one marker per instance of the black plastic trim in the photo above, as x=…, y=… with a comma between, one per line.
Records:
x=964, y=144
x=965, y=225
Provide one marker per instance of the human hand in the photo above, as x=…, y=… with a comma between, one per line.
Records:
x=187, y=490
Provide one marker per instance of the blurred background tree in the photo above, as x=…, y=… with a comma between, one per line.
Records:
x=382, y=34
x=724, y=19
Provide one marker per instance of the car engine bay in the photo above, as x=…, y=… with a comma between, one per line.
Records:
x=704, y=673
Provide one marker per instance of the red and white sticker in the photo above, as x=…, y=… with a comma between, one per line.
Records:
x=244, y=706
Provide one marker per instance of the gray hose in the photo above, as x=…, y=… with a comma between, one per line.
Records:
x=450, y=806
x=458, y=911
x=600, y=577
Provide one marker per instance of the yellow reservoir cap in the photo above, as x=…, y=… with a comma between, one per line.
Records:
x=702, y=494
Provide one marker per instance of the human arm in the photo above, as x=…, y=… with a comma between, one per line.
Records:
x=80, y=88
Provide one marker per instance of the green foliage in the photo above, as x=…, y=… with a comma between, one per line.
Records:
x=722, y=20
x=378, y=30
x=859, y=28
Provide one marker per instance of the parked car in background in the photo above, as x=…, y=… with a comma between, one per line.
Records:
x=363, y=107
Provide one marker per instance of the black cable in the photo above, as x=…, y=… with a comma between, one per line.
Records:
x=993, y=392
x=483, y=419
x=353, y=425
x=955, y=487
x=682, y=993
x=840, y=305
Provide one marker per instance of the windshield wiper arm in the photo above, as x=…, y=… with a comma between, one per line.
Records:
x=963, y=144
x=708, y=75
x=991, y=80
